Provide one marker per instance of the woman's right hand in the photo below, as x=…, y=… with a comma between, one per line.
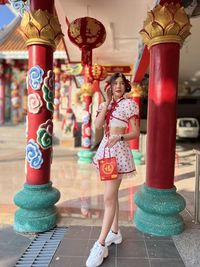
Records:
x=108, y=91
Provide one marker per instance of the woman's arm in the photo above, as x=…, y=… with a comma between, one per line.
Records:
x=135, y=132
x=100, y=119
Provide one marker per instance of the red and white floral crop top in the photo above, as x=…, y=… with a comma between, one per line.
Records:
x=119, y=112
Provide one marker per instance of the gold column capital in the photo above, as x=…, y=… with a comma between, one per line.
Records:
x=86, y=89
x=41, y=27
x=136, y=90
x=166, y=24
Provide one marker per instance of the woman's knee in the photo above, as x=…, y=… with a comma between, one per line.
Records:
x=110, y=200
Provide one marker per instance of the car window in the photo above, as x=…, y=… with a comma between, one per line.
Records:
x=188, y=123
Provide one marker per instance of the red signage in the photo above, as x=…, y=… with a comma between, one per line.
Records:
x=124, y=69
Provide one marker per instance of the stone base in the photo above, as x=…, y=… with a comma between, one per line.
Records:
x=158, y=211
x=137, y=155
x=37, y=211
x=85, y=156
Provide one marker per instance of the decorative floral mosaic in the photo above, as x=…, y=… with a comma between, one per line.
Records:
x=33, y=155
x=57, y=85
x=86, y=141
x=34, y=103
x=56, y=101
x=44, y=134
x=20, y=6
x=48, y=90
x=88, y=131
x=86, y=117
x=35, y=77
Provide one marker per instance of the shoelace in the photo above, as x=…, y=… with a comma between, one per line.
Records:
x=96, y=250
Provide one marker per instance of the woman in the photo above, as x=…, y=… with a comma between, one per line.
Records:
x=114, y=115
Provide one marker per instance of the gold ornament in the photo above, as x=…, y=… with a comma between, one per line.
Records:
x=166, y=24
x=56, y=70
x=40, y=27
x=96, y=72
x=136, y=90
x=86, y=89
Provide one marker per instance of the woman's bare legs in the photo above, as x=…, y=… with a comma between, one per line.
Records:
x=115, y=224
x=110, y=202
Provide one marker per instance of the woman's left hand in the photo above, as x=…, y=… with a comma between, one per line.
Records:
x=112, y=141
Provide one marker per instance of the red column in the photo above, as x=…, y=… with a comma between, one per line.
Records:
x=95, y=88
x=159, y=205
x=36, y=201
x=161, y=128
x=41, y=81
x=42, y=56
x=87, y=102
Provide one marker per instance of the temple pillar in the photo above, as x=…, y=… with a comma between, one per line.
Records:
x=135, y=94
x=85, y=154
x=36, y=201
x=158, y=202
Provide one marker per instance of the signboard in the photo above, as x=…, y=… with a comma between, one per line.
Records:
x=125, y=69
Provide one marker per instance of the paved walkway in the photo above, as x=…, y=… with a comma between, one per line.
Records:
x=81, y=210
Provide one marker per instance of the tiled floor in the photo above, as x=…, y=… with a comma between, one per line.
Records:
x=137, y=249
x=12, y=245
x=81, y=203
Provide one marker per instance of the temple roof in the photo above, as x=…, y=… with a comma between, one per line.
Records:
x=12, y=44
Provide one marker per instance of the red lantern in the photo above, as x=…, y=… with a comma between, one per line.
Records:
x=87, y=33
x=96, y=72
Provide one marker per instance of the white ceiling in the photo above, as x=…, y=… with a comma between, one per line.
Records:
x=123, y=20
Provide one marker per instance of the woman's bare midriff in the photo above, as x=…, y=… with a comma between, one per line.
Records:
x=117, y=130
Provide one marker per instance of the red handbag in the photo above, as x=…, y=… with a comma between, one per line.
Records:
x=108, y=168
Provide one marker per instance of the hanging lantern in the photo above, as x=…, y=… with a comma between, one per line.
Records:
x=87, y=33
x=96, y=72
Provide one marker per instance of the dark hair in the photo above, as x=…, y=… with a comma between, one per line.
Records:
x=126, y=81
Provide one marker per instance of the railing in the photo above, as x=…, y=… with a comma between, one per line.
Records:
x=196, y=194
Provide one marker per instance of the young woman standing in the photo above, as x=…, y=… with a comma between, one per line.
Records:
x=114, y=115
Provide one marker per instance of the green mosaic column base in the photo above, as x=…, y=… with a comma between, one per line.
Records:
x=37, y=211
x=137, y=155
x=158, y=211
x=85, y=156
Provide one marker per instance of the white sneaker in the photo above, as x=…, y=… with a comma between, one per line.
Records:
x=113, y=238
x=97, y=255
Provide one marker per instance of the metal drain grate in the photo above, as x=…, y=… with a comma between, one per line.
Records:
x=41, y=250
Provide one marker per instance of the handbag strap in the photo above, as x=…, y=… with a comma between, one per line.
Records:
x=105, y=152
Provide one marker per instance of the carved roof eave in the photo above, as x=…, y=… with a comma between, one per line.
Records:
x=24, y=55
x=5, y=32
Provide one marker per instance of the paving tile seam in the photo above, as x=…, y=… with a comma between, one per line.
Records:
x=147, y=251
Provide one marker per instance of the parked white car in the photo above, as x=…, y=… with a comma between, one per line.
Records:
x=187, y=128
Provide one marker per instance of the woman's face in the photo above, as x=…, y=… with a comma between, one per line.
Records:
x=118, y=88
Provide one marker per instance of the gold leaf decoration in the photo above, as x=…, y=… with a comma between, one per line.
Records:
x=86, y=89
x=136, y=90
x=166, y=24
x=41, y=27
